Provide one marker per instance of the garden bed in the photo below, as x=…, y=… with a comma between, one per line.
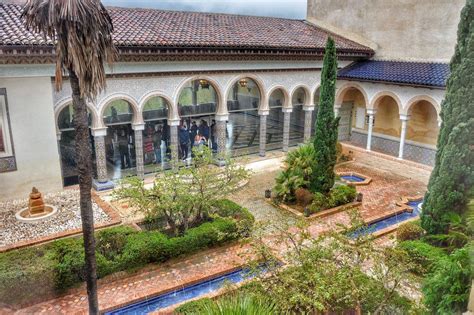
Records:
x=66, y=222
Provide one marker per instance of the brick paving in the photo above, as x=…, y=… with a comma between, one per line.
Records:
x=391, y=180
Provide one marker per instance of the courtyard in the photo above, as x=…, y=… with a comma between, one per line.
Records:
x=392, y=180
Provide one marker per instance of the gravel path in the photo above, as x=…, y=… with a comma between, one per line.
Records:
x=67, y=218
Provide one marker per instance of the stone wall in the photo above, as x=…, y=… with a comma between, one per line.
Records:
x=402, y=29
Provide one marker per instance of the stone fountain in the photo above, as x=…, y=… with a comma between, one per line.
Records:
x=37, y=210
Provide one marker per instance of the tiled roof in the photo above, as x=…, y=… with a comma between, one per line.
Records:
x=413, y=73
x=158, y=28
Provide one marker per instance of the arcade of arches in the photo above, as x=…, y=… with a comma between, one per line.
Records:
x=127, y=140
x=409, y=134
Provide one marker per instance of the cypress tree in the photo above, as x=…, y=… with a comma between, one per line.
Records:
x=453, y=174
x=325, y=139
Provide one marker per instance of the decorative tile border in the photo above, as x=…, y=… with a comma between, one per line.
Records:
x=367, y=179
x=106, y=207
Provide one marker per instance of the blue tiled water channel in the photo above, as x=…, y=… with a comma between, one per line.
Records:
x=353, y=178
x=395, y=219
x=184, y=294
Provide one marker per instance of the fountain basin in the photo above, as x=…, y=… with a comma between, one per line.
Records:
x=24, y=214
x=354, y=178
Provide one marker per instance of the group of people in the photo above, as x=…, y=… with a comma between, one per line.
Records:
x=195, y=136
x=155, y=142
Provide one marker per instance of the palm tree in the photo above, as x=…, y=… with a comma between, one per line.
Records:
x=82, y=30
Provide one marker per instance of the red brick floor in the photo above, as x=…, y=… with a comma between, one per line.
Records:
x=388, y=185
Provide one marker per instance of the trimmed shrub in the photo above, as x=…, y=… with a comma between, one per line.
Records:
x=338, y=196
x=143, y=248
x=110, y=242
x=341, y=195
x=409, y=231
x=303, y=197
x=423, y=255
x=228, y=209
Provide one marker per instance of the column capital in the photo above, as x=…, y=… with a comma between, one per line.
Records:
x=99, y=132
x=308, y=108
x=139, y=126
x=404, y=117
x=440, y=121
x=371, y=111
x=337, y=106
x=287, y=110
x=263, y=112
x=221, y=117
x=173, y=122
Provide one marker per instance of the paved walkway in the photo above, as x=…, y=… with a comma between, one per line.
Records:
x=391, y=181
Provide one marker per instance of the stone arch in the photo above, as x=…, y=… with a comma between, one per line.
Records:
x=307, y=92
x=137, y=116
x=377, y=97
x=427, y=98
x=96, y=122
x=172, y=111
x=341, y=91
x=287, y=102
x=258, y=82
x=220, y=106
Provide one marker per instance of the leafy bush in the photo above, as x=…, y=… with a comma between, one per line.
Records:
x=240, y=304
x=303, y=197
x=446, y=289
x=423, y=255
x=228, y=209
x=338, y=196
x=409, y=231
x=297, y=173
x=194, y=307
x=110, y=242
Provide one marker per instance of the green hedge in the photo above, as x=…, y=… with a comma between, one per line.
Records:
x=59, y=265
x=338, y=196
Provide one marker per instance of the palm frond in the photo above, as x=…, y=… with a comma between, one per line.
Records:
x=82, y=30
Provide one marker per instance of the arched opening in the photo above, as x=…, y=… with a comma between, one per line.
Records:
x=67, y=145
x=353, y=123
x=275, y=120
x=156, y=135
x=197, y=106
x=387, y=126
x=423, y=124
x=243, y=127
x=298, y=100
x=120, y=140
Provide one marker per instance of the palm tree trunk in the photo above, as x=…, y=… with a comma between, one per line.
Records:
x=84, y=168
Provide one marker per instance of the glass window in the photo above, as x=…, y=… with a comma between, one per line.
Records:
x=244, y=95
x=155, y=108
x=299, y=97
x=297, y=125
x=66, y=118
x=243, y=127
x=7, y=159
x=118, y=112
x=197, y=97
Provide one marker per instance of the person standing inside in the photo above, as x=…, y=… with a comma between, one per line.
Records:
x=123, y=149
x=157, y=136
x=184, y=141
x=213, y=136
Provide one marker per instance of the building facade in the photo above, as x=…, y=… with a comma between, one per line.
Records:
x=246, y=84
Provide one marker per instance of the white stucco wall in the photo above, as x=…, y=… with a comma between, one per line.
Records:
x=401, y=29
x=34, y=138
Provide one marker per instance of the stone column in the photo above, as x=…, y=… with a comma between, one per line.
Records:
x=220, y=136
x=102, y=182
x=263, y=131
x=308, y=121
x=336, y=110
x=404, y=119
x=174, y=140
x=138, y=128
x=371, y=113
x=286, y=128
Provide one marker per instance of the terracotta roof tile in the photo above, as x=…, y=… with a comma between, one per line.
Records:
x=159, y=28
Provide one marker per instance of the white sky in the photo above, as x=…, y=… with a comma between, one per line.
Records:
x=294, y=9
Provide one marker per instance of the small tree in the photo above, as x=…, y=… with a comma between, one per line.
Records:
x=453, y=174
x=184, y=195
x=325, y=140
